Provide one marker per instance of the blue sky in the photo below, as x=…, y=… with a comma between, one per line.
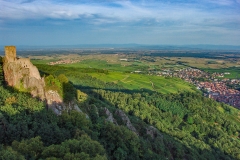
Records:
x=161, y=22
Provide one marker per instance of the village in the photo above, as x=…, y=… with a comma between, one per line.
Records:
x=66, y=61
x=214, y=85
x=220, y=92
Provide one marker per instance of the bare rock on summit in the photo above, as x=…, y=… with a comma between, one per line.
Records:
x=22, y=74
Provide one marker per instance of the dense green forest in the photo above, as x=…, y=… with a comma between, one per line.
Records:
x=185, y=125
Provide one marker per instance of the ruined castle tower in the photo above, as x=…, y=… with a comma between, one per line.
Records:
x=10, y=53
x=22, y=74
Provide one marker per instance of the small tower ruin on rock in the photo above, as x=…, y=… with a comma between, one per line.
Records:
x=21, y=73
x=10, y=53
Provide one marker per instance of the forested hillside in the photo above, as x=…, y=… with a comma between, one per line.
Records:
x=185, y=125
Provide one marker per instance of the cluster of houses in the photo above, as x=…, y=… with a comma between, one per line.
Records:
x=66, y=61
x=191, y=75
x=220, y=92
x=186, y=73
x=210, y=83
x=214, y=88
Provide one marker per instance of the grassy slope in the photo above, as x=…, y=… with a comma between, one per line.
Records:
x=101, y=64
x=133, y=81
x=119, y=74
x=140, y=81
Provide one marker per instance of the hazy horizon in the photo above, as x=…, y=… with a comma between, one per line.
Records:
x=200, y=47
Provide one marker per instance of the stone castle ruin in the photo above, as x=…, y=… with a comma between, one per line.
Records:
x=22, y=74
x=10, y=53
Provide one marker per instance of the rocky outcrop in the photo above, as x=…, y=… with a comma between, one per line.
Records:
x=153, y=132
x=36, y=86
x=54, y=101
x=123, y=116
x=126, y=120
x=109, y=116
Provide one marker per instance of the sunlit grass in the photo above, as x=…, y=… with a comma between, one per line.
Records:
x=140, y=81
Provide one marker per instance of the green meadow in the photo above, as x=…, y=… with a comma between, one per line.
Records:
x=102, y=64
x=231, y=72
x=117, y=74
x=134, y=81
x=123, y=74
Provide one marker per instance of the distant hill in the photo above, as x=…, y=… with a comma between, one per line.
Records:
x=129, y=46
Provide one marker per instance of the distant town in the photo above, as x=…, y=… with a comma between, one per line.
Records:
x=214, y=85
x=65, y=61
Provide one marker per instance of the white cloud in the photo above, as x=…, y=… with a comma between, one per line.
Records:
x=127, y=12
x=169, y=15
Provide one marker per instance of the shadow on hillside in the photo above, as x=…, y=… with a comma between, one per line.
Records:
x=88, y=88
x=172, y=144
